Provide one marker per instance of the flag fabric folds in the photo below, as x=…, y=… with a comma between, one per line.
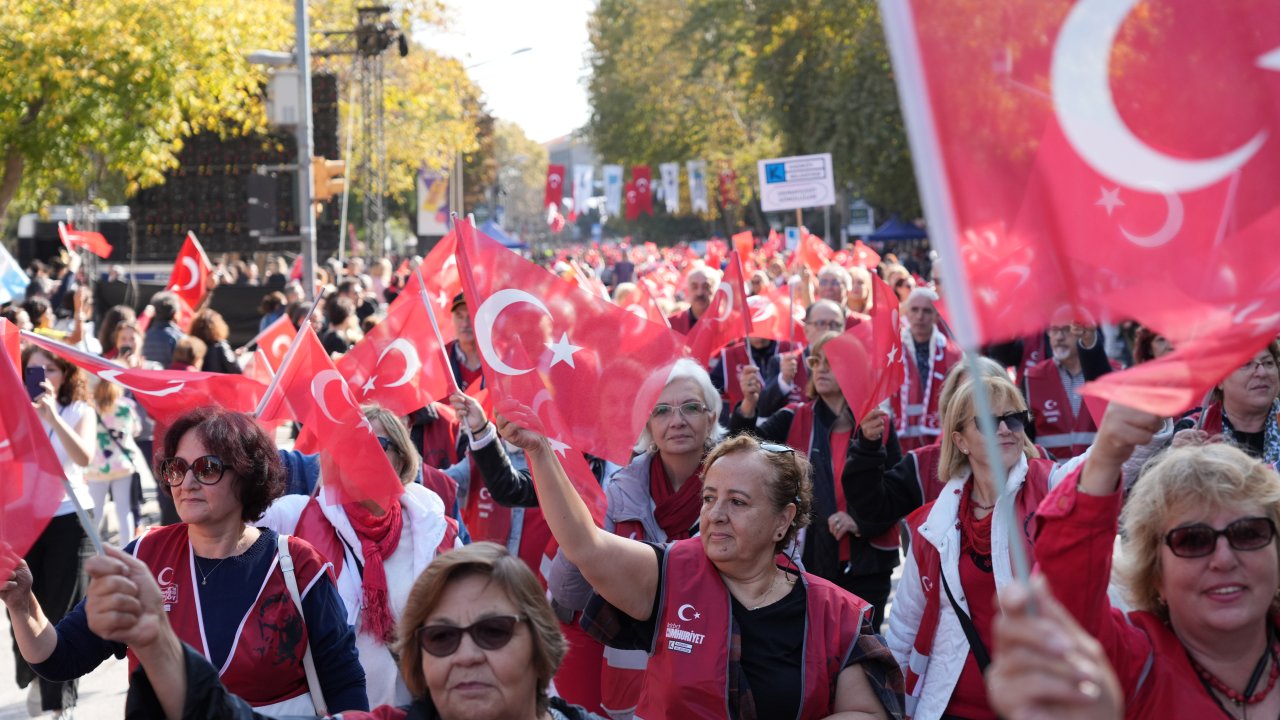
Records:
x=589, y=369
x=554, y=192
x=89, y=240
x=190, y=277
x=867, y=359
x=728, y=317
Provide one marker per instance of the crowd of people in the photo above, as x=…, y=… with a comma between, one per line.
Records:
x=744, y=567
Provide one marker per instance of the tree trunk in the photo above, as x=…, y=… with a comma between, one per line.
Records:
x=14, y=163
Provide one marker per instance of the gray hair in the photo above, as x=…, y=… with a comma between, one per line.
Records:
x=686, y=369
x=925, y=292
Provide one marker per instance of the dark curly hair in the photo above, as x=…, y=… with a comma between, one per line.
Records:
x=792, y=481
x=242, y=445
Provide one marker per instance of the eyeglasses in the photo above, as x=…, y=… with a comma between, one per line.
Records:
x=818, y=362
x=1058, y=330
x=836, y=325
x=662, y=411
x=1015, y=421
x=384, y=442
x=1199, y=540
x=207, y=470
x=830, y=282
x=901, y=283
x=1267, y=363
x=491, y=633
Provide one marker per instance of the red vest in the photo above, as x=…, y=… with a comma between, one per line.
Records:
x=926, y=461
x=682, y=322
x=1057, y=429
x=800, y=437
x=929, y=564
x=688, y=671
x=732, y=359
x=265, y=664
x=439, y=439
x=487, y=520
x=916, y=410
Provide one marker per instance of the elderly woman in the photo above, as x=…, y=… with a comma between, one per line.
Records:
x=70, y=423
x=859, y=557
x=478, y=642
x=717, y=614
x=940, y=627
x=1245, y=407
x=270, y=609
x=1200, y=564
x=376, y=553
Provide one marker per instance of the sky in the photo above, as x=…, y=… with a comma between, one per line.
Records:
x=542, y=89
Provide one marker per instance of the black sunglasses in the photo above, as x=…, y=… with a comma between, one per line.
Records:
x=1015, y=421
x=491, y=633
x=207, y=470
x=1199, y=540
x=384, y=442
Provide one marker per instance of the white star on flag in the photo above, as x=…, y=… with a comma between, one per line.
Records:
x=559, y=447
x=1110, y=200
x=562, y=351
x=893, y=354
x=368, y=384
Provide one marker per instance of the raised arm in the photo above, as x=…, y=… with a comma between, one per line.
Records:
x=877, y=496
x=35, y=636
x=622, y=571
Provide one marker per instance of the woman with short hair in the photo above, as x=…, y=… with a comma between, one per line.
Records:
x=209, y=326
x=1200, y=564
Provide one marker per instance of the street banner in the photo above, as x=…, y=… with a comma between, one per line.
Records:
x=582, y=179
x=697, y=170
x=554, y=192
x=671, y=186
x=433, y=203
x=613, y=189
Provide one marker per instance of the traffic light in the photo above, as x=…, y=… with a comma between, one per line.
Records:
x=327, y=178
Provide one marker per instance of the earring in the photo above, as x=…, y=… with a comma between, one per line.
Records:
x=779, y=536
x=965, y=451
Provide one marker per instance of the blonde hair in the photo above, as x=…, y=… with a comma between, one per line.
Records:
x=407, y=468
x=810, y=389
x=1210, y=477
x=509, y=575
x=960, y=410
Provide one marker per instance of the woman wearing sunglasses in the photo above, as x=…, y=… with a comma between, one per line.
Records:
x=1200, y=564
x=376, y=553
x=478, y=642
x=858, y=557
x=940, y=627
x=728, y=630
x=262, y=611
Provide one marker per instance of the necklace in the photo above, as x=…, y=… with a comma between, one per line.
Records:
x=204, y=576
x=978, y=506
x=1248, y=697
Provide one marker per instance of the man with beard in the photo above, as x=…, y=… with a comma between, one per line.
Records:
x=928, y=356
x=698, y=287
x=1064, y=425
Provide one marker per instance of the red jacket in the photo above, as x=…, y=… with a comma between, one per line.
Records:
x=688, y=673
x=1064, y=434
x=1074, y=537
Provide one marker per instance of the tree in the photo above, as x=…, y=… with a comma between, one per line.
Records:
x=521, y=176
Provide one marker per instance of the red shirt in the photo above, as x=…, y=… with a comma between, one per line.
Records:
x=969, y=699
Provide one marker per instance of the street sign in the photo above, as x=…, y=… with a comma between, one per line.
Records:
x=862, y=219
x=800, y=181
x=792, y=235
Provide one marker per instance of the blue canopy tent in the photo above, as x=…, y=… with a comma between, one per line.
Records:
x=895, y=229
x=495, y=231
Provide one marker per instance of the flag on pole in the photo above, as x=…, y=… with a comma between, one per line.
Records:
x=728, y=317
x=867, y=359
x=189, y=279
x=89, y=240
x=13, y=281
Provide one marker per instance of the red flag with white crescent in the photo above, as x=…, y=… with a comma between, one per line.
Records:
x=189, y=279
x=554, y=191
x=867, y=359
x=727, y=319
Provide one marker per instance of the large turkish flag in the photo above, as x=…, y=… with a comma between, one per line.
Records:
x=189, y=279
x=590, y=370
x=1104, y=159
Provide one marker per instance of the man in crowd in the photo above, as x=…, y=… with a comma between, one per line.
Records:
x=698, y=288
x=928, y=355
x=1064, y=425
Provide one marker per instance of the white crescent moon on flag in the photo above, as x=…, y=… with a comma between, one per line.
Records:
x=637, y=311
x=488, y=313
x=275, y=345
x=411, y=361
x=114, y=376
x=1168, y=231
x=727, y=307
x=761, y=309
x=194, y=272
x=1080, y=77
x=318, y=385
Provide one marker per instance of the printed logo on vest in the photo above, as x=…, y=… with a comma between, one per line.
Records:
x=679, y=639
x=1051, y=412
x=168, y=588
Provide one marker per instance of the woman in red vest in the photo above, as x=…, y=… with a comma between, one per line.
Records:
x=960, y=551
x=857, y=556
x=1201, y=568
x=1245, y=407
x=729, y=631
x=260, y=606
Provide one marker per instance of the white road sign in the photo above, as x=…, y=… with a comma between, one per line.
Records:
x=800, y=181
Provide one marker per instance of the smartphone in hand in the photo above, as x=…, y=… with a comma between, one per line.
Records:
x=34, y=378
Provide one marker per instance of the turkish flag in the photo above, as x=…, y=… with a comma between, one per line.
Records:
x=440, y=273
x=554, y=192
x=575, y=465
x=642, y=176
x=717, y=251
x=33, y=479
x=861, y=254
x=590, y=370
x=275, y=340
x=632, y=201
x=74, y=240
x=295, y=270
x=165, y=394
x=728, y=183
x=727, y=319
x=313, y=392
x=398, y=364
x=745, y=244
x=769, y=316
x=812, y=252
x=642, y=304
x=1105, y=159
x=774, y=244
x=259, y=367
x=11, y=339
x=867, y=359
x=190, y=277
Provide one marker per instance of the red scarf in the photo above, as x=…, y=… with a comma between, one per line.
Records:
x=379, y=537
x=975, y=534
x=675, y=510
